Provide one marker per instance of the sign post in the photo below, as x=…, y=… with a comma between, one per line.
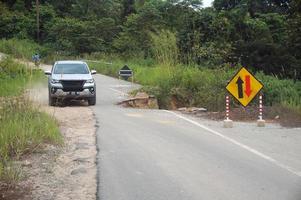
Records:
x=244, y=87
x=228, y=123
x=260, y=121
x=125, y=72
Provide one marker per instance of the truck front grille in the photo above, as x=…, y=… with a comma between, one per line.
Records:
x=76, y=86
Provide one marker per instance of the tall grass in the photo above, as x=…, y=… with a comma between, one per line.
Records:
x=164, y=47
x=23, y=128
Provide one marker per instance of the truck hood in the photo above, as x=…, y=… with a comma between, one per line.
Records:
x=71, y=76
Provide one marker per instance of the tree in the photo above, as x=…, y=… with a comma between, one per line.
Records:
x=294, y=39
x=128, y=8
x=164, y=47
x=134, y=37
x=13, y=24
x=254, y=6
x=73, y=37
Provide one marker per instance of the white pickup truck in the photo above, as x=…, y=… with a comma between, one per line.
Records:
x=70, y=80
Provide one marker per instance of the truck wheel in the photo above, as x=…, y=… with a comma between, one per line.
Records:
x=51, y=101
x=92, y=101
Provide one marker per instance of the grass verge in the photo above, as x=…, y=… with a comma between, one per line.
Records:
x=24, y=128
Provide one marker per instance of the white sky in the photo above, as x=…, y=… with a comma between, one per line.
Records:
x=207, y=3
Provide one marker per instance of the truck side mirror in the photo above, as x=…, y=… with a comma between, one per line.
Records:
x=47, y=72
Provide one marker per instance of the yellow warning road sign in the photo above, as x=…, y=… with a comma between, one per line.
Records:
x=244, y=86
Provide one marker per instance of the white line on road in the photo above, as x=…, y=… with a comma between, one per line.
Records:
x=290, y=169
x=254, y=151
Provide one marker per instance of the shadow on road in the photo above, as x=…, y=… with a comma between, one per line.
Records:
x=71, y=103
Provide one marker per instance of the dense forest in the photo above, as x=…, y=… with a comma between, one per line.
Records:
x=264, y=35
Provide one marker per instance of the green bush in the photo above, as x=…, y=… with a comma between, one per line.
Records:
x=283, y=92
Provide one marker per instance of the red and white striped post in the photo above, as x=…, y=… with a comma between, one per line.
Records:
x=260, y=121
x=260, y=107
x=227, y=107
x=228, y=123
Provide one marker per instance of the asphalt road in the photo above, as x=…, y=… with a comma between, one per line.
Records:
x=159, y=155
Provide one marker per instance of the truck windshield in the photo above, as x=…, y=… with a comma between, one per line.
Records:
x=70, y=69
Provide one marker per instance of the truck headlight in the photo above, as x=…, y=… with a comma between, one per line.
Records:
x=90, y=81
x=55, y=81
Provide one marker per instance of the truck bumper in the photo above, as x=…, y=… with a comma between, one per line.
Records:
x=85, y=94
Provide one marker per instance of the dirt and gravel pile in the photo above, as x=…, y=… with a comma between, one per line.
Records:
x=68, y=172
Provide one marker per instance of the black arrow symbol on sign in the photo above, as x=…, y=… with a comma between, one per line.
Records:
x=239, y=83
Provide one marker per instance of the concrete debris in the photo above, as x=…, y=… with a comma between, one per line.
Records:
x=141, y=100
x=142, y=95
x=182, y=109
x=192, y=110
